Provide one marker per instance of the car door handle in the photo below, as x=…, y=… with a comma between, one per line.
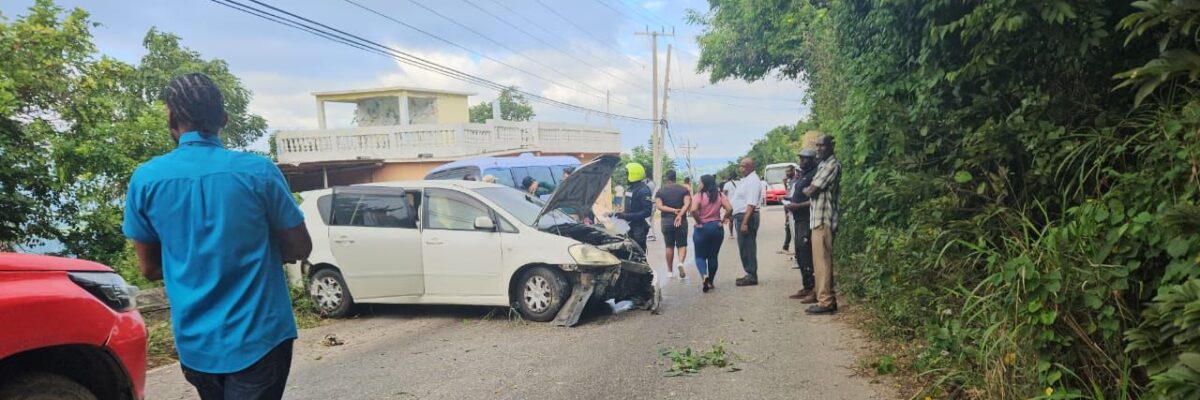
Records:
x=343, y=239
x=433, y=242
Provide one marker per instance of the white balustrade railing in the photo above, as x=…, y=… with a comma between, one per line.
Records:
x=442, y=141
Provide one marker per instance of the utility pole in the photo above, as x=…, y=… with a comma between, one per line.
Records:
x=687, y=154
x=608, y=107
x=666, y=89
x=655, y=133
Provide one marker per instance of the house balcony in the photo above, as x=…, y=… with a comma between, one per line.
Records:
x=442, y=142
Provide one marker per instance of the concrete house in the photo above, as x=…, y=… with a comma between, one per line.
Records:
x=403, y=132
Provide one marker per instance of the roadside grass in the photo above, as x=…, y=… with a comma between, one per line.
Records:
x=160, y=343
x=160, y=339
x=686, y=361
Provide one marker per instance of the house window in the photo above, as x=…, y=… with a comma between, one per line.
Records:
x=422, y=110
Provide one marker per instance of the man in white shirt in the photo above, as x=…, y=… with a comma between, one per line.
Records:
x=747, y=199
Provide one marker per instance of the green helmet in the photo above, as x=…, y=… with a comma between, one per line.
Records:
x=636, y=172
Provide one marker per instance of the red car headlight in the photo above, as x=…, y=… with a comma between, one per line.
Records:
x=109, y=287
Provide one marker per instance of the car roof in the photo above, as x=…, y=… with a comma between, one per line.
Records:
x=34, y=262
x=781, y=165
x=523, y=160
x=417, y=184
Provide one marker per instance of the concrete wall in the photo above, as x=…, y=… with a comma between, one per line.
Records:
x=453, y=109
x=404, y=171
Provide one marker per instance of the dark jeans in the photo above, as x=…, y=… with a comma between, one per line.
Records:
x=263, y=380
x=804, y=253
x=708, y=238
x=638, y=231
x=748, y=242
x=787, y=230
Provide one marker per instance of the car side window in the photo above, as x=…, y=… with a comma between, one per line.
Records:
x=503, y=176
x=373, y=210
x=450, y=210
x=519, y=174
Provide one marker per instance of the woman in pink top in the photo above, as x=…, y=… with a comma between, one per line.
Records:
x=708, y=236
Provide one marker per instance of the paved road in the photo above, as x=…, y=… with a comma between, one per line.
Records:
x=402, y=352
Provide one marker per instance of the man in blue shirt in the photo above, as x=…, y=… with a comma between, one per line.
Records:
x=216, y=226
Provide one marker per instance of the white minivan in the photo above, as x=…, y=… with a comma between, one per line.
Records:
x=471, y=243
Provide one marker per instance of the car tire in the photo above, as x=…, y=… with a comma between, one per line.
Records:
x=330, y=294
x=43, y=386
x=540, y=293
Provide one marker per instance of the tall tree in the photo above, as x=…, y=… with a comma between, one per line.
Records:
x=513, y=107
x=640, y=154
x=75, y=124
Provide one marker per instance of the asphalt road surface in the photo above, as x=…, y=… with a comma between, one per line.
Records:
x=424, y=352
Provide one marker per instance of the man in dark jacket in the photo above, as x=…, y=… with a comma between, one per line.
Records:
x=638, y=204
x=799, y=208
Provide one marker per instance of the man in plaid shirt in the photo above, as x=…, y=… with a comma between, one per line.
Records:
x=823, y=221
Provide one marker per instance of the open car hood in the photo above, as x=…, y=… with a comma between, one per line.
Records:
x=581, y=189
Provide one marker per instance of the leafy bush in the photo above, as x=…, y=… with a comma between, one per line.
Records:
x=1005, y=200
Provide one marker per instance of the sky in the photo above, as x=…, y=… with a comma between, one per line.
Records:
x=572, y=51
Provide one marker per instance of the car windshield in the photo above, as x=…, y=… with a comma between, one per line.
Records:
x=522, y=206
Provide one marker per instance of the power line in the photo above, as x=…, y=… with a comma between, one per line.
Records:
x=624, y=14
x=443, y=40
x=581, y=29
x=697, y=93
x=649, y=17
x=496, y=42
x=543, y=42
x=337, y=35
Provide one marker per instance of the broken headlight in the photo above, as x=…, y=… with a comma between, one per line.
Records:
x=588, y=255
x=110, y=288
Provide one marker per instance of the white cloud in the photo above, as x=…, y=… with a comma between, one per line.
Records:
x=719, y=126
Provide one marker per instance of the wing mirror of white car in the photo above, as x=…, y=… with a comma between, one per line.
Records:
x=483, y=223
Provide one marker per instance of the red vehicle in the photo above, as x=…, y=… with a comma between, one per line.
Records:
x=774, y=176
x=70, y=330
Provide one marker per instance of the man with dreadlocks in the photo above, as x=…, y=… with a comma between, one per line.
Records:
x=216, y=226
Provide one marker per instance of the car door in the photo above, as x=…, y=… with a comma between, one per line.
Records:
x=374, y=237
x=460, y=260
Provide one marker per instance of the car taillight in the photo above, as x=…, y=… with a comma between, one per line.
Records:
x=109, y=287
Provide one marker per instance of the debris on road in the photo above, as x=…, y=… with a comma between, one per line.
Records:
x=687, y=361
x=331, y=340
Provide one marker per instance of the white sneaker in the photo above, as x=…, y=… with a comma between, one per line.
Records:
x=671, y=274
x=682, y=275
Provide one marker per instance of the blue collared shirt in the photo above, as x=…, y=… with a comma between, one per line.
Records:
x=213, y=211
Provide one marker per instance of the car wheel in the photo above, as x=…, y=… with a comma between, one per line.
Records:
x=541, y=293
x=329, y=292
x=41, y=386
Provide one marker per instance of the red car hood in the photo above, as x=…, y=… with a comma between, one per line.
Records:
x=32, y=262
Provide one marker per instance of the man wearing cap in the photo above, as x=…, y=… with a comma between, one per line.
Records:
x=638, y=204
x=823, y=220
x=799, y=208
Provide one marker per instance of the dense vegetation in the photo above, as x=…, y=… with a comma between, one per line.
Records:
x=1020, y=180
x=75, y=123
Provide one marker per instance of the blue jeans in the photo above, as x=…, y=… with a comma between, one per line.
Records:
x=708, y=239
x=265, y=379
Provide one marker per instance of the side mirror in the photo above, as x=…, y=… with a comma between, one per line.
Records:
x=483, y=223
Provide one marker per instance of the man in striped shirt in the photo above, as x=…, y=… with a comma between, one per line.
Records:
x=823, y=219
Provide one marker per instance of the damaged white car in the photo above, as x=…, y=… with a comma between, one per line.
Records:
x=471, y=243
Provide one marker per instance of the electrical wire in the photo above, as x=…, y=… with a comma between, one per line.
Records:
x=559, y=49
x=339, y=36
x=730, y=96
x=649, y=17
x=581, y=29
x=484, y=56
x=494, y=41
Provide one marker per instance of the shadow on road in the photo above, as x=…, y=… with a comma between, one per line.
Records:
x=594, y=313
